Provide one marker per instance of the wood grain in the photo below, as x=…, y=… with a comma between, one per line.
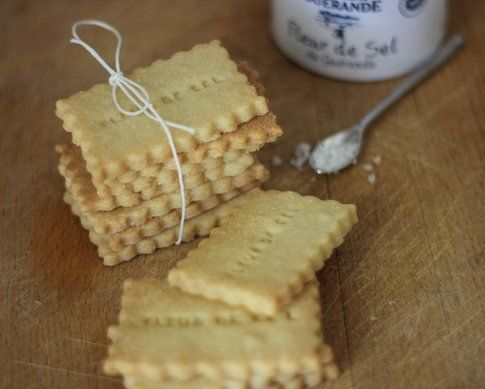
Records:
x=403, y=298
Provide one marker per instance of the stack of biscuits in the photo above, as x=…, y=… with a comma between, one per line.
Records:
x=242, y=310
x=120, y=176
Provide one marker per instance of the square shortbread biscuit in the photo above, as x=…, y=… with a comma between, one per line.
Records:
x=231, y=164
x=167, y=334
x=133, y=235
x=200, y=225
x=155, y=225
x=201, y=88
x=120, y=218
x=197, y=383
x=218, y=180
x=297, y=382
x=248, y=137
x=265, y=252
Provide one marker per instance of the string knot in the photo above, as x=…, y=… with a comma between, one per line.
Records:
x=115, y=78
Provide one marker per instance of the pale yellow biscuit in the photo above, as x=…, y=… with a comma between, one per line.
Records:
x=121, y=218
x=89, y=201
x=230, y=164
x=249, y=137
x=201, y=88
x=155, y=225
x=298, y=382
x=197, y=226
x=152, y=301
x=168, y=334
x=167, y=180
x=263, y=254
x=197, y=383
x=73, y=168
x=169, y=167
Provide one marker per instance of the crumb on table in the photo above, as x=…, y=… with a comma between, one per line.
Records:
x=371, y=178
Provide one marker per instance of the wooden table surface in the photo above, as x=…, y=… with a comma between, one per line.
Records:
x=403, y=298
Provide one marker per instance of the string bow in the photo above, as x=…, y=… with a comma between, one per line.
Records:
x=138, y=96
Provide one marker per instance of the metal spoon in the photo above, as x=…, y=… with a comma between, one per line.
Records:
x=339, y=150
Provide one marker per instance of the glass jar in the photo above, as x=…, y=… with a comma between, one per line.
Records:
x=358, y=40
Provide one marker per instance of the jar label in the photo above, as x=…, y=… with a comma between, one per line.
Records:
x=358, y=35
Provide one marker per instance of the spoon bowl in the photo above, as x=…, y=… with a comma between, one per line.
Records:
x=338, y=151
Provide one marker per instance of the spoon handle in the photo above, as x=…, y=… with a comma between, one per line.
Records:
x=443, y=54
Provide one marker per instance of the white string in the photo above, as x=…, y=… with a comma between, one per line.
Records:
x=139, y=97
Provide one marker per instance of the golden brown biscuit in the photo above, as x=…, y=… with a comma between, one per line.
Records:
x=201, y=88
x=265, y=252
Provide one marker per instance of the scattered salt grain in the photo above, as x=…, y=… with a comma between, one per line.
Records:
x=368, y=167
x=407, y=332
x=371, y=178
x=377, y=160
x=276, y=161
x=302, y=153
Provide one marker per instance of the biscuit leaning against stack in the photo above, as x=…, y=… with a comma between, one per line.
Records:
x=242, y=309
x=121, y=179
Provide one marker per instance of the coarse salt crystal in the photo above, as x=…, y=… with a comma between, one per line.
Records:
x=276, y=161
x=371, y=178
x=377, y=160
x=302, y=153
x=368, y=167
